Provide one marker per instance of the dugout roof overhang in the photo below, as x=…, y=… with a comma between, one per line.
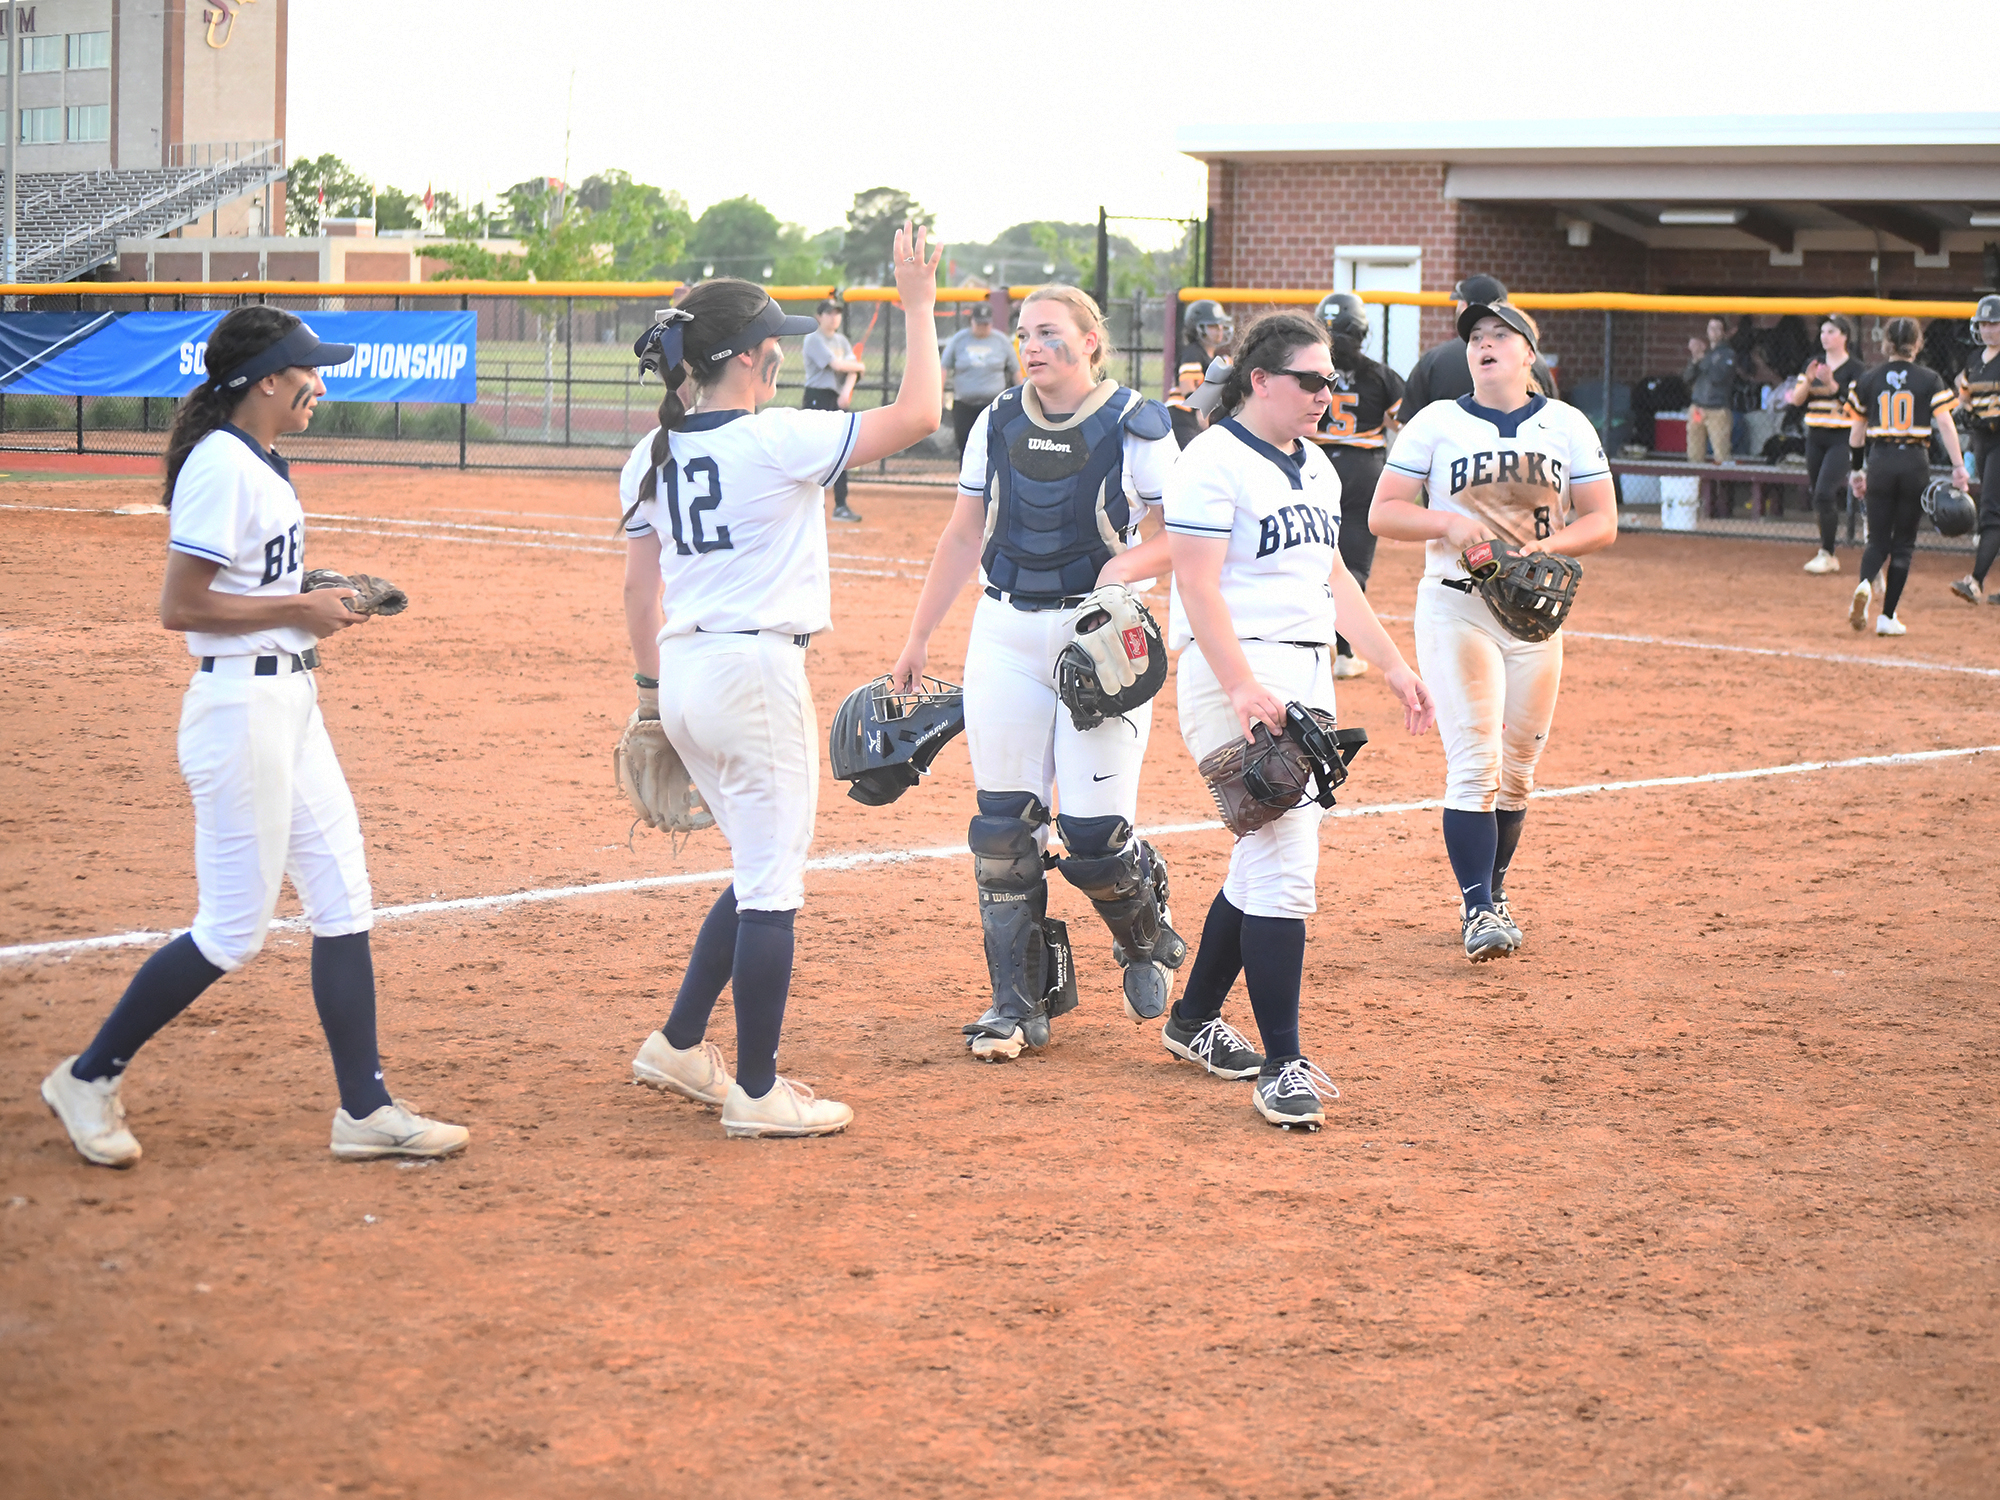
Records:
x=1927, y=182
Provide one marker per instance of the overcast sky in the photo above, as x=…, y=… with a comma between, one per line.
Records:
x=1030, y=111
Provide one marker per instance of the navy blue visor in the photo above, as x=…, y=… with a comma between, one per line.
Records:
x=301, y=347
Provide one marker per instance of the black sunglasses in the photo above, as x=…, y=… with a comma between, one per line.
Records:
x=1310, y=381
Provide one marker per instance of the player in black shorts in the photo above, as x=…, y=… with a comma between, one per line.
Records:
x=1354, y=433
x=1979, y=410
x=1822, y=390
x=1893, y=409
x=1205, y=332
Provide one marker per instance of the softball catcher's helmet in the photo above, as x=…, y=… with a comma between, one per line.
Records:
x=1343, y=313
x=1951, y=510
x=884, y=741
x=1200, y=314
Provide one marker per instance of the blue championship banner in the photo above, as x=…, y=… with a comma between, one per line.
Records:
x=398, y=356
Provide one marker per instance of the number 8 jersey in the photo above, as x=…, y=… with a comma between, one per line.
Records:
x=1510, y=471
x=740, y=511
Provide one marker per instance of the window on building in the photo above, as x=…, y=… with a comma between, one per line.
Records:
x=90, y=122
x=40, y=126
x=41, y=54
x=90, y=49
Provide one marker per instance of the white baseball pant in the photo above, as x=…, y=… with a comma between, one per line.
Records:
x=739, y=710
x=1273, y=872
x=1496, y=698
x=269, y=801
x=1020, y=736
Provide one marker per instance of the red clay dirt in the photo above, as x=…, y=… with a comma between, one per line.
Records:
x=1694, y=1197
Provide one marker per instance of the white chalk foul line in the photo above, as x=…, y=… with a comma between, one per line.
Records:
x=70, y=947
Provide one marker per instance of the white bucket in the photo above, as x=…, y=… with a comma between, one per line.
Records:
x=1680, y=502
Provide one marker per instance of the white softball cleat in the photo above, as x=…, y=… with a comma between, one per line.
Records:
x=1345, y=667
x=93, y=1114
x=696, y=1073
x=395, y=1130
x=1890, y=625
x=1857, y=607
x=1823, y=562
x=789, y=1109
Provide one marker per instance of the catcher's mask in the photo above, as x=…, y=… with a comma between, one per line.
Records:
x=1327, y=750
x=884, y=741
x=1951, y=510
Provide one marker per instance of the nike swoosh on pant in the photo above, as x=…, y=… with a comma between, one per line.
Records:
x=1103, y=778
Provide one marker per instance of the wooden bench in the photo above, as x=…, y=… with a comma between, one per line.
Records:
x=1767, y=481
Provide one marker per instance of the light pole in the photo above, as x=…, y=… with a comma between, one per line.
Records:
x=12, y=260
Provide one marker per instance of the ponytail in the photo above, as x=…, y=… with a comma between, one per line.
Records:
x=707, y=314
x=239, y=337
x=1268, y=346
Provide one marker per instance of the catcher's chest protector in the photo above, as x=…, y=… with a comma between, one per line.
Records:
x=1059, y=497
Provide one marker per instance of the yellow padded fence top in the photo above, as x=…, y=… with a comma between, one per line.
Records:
x=1864, y=307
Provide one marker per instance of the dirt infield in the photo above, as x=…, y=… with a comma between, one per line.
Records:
x=1694, y=1197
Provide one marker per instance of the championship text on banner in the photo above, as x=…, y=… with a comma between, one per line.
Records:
x=398, y=356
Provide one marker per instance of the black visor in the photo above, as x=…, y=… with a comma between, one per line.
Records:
x=1506, y=312
x=300, y=347
x=771, y=322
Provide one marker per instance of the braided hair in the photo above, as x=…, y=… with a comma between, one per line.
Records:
x=1267, y=346
x=238, y=338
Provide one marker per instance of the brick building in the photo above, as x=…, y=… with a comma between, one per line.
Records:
x=1864, y=205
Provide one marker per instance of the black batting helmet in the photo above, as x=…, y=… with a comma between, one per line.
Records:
x=1343, y=313
x=1988, y=311
x=1951, y=510
x=1479, y=287
x=883, y=741
x=1201, y=314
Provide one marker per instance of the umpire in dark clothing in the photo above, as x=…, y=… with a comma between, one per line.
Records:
x=1444, y=373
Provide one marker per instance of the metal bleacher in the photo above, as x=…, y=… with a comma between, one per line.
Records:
x=71, y=222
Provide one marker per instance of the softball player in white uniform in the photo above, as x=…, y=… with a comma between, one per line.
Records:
x=269, y=797
x=1058, y=480
x=1500, y=463
x=1253, y=518
x=724, y=506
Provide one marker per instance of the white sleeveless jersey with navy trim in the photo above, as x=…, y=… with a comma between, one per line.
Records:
x=1511, y=471
x=234, y=504
x=740, y=513
x=1279, y=512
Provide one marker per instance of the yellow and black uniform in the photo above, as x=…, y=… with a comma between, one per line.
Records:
x=1979, y=412
x=1354, y=432
x=1827, y=422
x=1899, y=401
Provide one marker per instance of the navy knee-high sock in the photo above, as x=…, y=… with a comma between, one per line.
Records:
x=1274, y=959
x=761, y=980
x=1472, y=839
x=707, y=972
x=1507, y=831
x=166, y=984
x=343, y=980
x=1216, y=964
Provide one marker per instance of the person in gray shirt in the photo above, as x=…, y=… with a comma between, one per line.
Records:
x=980, y=365
x=831, y=370
x=1711, y=378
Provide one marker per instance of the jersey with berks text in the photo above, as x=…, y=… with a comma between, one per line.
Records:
x=234, y=505
x=739, y=508
x=1510, y=471
x=1280, y=514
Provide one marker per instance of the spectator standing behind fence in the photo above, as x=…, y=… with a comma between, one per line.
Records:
x=1711, y=380
x=832, y=367
x=1442, y=372
x=1893, y=410
x=1823, y=390
x=1979, y=404
x=980, y=364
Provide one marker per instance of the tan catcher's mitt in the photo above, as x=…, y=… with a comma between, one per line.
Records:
x=1258, y=780
x=372, y=595
x=652, y=777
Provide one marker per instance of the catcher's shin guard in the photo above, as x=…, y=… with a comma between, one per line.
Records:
x=1129, y=889
x=1027, y=970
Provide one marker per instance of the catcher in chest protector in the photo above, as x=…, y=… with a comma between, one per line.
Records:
x=1056, y=500
x=1253, y=522
x=726, y=584
x=1506, y=488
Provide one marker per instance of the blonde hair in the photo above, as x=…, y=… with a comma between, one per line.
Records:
x=1084, y=312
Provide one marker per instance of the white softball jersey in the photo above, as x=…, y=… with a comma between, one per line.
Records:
x=740, y=511
x=234, y=505
x=1280, y=513
x=1511, y=471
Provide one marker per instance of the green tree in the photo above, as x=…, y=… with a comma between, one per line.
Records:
x=871, y=231
x=738, y=236
x=647, y=228
x=396, y=209
x=807, y=260
x=346, y=192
